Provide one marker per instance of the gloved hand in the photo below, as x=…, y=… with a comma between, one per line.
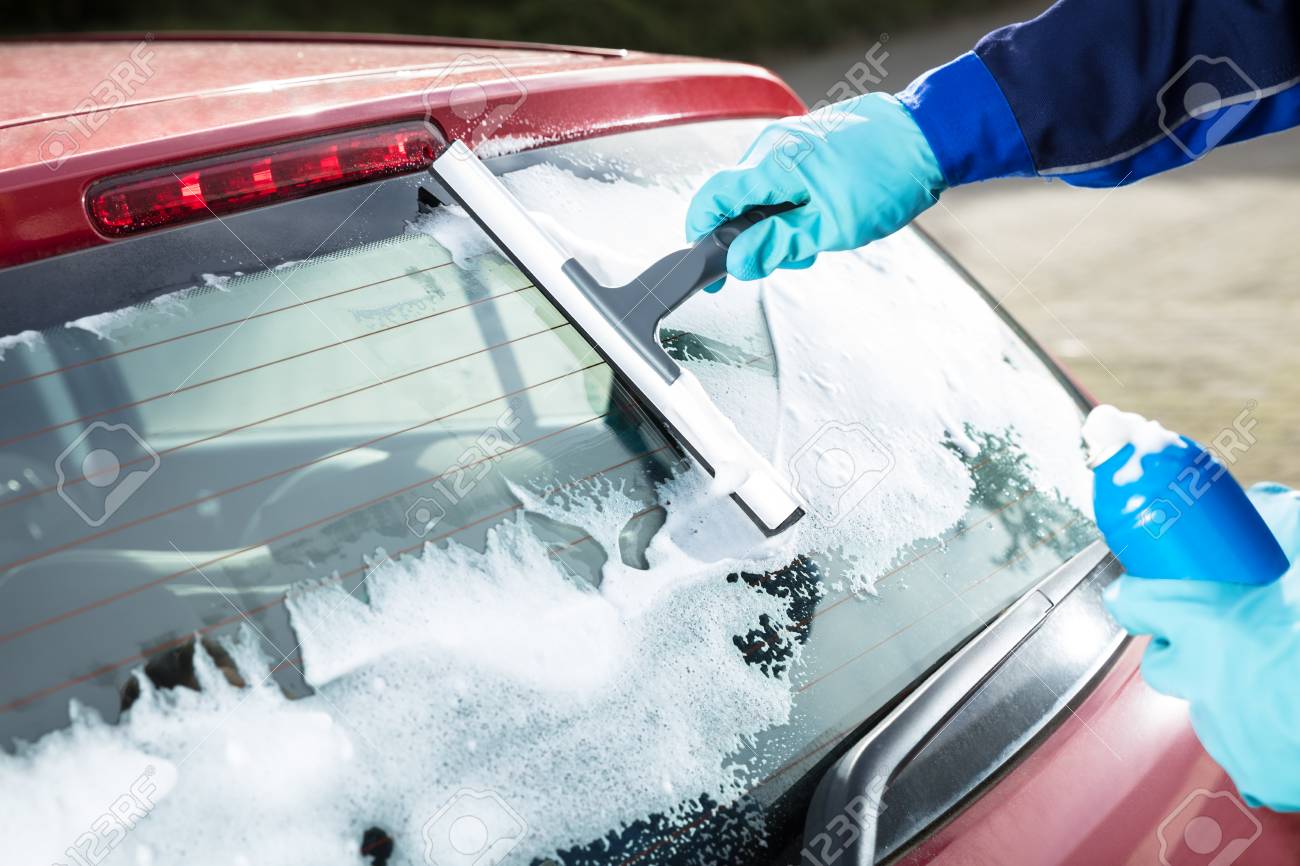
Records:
x=861, y=168
x=1233, y=652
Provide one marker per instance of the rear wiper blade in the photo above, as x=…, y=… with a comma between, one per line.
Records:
x=852, y=789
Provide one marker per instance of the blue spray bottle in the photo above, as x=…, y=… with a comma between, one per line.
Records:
x=1169, y=508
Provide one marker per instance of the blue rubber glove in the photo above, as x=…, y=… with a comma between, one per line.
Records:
x=1233, y=652
x=861, y=168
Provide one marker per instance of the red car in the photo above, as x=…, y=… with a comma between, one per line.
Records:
x=349, y=549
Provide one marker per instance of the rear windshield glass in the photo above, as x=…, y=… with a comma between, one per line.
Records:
x=370, y=558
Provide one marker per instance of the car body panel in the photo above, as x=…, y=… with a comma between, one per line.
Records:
x=1132, y=773
x=536, y=96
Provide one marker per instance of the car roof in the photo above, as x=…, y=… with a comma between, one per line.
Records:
x=206, y=93
x=59, y=72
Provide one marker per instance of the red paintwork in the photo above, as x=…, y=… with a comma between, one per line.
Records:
x=208, y=96
x=1072, y=800
x=1097, y=790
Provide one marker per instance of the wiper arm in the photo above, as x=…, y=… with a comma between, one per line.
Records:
x=849, y=794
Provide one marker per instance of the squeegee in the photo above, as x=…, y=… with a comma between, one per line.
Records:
x=622, y=324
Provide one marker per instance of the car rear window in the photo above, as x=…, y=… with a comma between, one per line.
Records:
x=370, y=556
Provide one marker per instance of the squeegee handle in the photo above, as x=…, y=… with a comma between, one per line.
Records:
x=731, y=229
x=669, y=281
x=678, y=275
x=713, y=246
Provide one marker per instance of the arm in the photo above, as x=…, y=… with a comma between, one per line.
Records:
x=1098, y=92
x=1095, y=92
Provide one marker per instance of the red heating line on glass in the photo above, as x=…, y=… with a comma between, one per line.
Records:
x=126, y=593
x=282, y=535
x=211, y=437
x=239, y=617
x=296, y=663
x=216, y=327
x=134, y=403
x=131, y=524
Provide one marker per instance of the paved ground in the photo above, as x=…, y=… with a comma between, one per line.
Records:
x=1176, y=297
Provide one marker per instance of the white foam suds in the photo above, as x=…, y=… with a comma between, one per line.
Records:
x=505, y=145
x=1107, y=430
x=219, y=282
x=455, y=230
x=102, y=325
x=585, y=710
x=84, y=771
x=27, y=339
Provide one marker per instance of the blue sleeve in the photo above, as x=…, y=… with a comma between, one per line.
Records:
x=1104, y=92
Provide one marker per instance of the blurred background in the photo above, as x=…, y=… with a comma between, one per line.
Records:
x=735, y=30
x=1174, y=297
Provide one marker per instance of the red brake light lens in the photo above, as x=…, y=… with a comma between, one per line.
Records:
x=221, y=185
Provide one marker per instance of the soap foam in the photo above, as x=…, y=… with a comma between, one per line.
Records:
x=494, y=671
x=102, y=325
x=456, y=231
x=1107, y=431
x=505, y=144
x=27, y=339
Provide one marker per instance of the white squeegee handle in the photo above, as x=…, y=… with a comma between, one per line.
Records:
x=680, y=403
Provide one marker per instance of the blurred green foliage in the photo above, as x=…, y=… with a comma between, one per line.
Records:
x=737, y=29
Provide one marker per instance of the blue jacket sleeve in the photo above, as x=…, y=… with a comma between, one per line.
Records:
x=1104, y=92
